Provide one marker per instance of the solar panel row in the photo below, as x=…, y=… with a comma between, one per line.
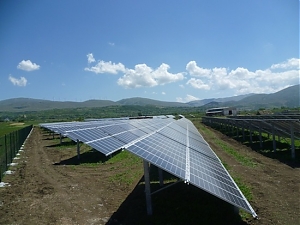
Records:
x=175, y=146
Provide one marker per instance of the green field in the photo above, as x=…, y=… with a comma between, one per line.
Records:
x=8, y=127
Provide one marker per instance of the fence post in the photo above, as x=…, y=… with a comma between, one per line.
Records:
x=6, y=158
x=10, y=145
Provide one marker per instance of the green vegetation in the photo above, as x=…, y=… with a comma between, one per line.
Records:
x=8, y=127
x=79, y=114
x=246, y=161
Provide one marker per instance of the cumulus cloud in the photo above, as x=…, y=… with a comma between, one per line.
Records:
x=144, y=76
x=163, y=93
x=22, y=82
x=106, y=67
x=188, y=98
x=91, y=58
x=195, y=70
x=288, y=64
x=27, y=65
x=141, y=76
x=198, y=84
x=241, y=80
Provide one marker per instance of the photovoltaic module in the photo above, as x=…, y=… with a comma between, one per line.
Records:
x=175, y=146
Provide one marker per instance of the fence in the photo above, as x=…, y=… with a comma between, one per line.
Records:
x=10, y=144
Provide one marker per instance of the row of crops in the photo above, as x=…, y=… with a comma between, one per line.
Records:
x=10, y=144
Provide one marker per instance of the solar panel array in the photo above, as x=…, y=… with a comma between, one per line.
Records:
x=279, y=125
x=175, y=146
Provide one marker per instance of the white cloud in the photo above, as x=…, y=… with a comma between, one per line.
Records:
x=111, y=43
x=141, y=76
x=241, y=80
x=188, y=98
x=193, y=69
x=292, y=63
x=144, y=76
x=106, y=67
x=22, y=82
x=91, y=58
x=191, y=98
x=181, y=86
x=27, y=65
x=179, y=99
x=163, y=93
x=198, y=84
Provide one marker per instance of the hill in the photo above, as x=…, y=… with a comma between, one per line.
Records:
x=29, y=104
x=202, y=102
x=147, y=102
x=288, y=97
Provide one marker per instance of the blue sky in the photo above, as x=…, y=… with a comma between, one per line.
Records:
x=165, y=50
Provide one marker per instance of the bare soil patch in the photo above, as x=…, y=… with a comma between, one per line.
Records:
x=49, y=187
x=17, y=124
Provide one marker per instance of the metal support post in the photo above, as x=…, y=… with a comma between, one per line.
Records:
x=250, y=131
x=161, y=179
x=292, y=142
x=243, y=130
x=260, y=138
x=147, y=187
x=274, y=140
x=78, y=150
x=236, y=210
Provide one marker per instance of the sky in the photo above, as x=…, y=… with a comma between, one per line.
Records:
x=176, y=51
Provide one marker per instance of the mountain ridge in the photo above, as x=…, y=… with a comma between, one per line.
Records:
x=288, y=97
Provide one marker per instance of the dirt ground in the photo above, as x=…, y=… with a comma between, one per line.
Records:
x=48, y=187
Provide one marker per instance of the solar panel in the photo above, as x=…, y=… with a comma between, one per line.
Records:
x=175, y=146
x=107, y=146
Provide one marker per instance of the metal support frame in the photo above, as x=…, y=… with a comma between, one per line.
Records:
x=160, y=175
x=243, y=130
x=274, y=140
x=147, y=187
x=292, y=142
x=165, y=187
x=78, y=150
x=250, y=133
x=260, y=138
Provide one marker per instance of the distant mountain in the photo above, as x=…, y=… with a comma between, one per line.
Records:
x=202, y=102
x=29, y=104
x=147, y=101
x=288, y=97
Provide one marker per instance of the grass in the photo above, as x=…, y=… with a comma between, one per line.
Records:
x=127, y=160
x=246, y=161
x=8, y=127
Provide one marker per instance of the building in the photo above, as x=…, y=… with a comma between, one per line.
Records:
x=222, y=111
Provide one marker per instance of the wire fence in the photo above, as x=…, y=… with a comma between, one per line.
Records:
x=10, y=144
